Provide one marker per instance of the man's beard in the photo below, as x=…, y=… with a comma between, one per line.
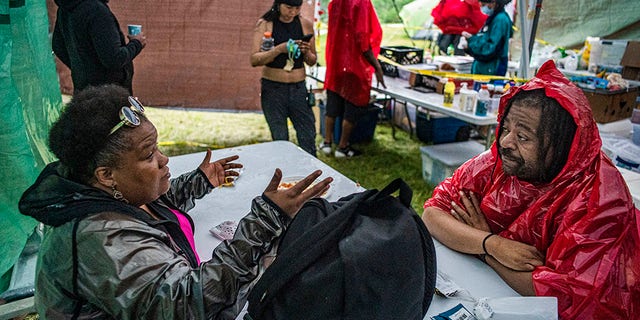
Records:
x=515, y=166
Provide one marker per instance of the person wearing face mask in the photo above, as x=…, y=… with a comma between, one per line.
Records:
x=545, y=207
x=283, y=90
x=490, y=46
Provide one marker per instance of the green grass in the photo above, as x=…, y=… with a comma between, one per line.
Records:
x=384, y=159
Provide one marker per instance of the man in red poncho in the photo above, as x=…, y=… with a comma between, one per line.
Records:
x=455, y=16
x=545, y=207
x=353, y=44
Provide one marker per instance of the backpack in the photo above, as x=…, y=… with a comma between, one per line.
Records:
x=367, y=256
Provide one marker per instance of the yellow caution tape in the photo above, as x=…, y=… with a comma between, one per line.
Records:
x=448, y=74
x=189, y=144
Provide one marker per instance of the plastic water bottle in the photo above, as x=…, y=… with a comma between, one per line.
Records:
x=267, y=42
x=449, y=92
x=467, y=101
x=450, y=50
x=484, y=101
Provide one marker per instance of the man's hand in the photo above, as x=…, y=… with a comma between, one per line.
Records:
x=219, y=170
x=380, y=77
x=513, y=254
x=140, y=37
x=291, y=200
x=471, y=214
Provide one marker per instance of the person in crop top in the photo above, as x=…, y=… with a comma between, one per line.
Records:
x=283, y=92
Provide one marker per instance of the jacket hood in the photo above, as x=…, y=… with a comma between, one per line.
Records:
x=54, y=200
x=586, y=140
x=71, y=4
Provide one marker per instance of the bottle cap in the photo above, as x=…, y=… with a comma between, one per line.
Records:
x=484, y=86
x=267, y=34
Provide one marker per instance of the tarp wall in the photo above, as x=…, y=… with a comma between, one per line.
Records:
x=197, y=52
x=30, y=102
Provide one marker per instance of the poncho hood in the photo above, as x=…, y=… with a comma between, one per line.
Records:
x=572, y=99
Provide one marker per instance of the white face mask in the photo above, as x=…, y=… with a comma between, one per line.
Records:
x=486, y=10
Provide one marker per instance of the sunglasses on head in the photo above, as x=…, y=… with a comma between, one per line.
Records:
x=129, y=115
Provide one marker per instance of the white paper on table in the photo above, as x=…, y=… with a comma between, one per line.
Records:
x=524, y=308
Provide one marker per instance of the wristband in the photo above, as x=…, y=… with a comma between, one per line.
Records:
x=484, y=243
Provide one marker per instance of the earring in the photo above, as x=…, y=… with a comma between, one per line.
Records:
x=117, y=194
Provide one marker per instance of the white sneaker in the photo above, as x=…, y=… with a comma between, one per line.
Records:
x=325, y=148
x=347, y=152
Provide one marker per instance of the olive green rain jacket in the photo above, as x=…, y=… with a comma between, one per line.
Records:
x=104, y=259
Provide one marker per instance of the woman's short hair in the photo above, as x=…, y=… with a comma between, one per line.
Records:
x=80, y=137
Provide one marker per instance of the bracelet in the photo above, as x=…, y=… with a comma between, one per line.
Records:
x=484, y=243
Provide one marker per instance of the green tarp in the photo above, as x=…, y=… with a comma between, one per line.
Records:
x=31, y=101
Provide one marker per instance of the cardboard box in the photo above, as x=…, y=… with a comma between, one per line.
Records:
x=434, y=83
x=608, y=106
x=631, y=61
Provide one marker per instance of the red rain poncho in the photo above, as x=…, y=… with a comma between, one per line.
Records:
x=353, y=29
x=584, y=221
x=455, y=16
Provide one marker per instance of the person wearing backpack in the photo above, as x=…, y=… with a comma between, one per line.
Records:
x=545, y=207
x=118, y=241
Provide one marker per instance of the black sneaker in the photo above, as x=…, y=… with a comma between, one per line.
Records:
x=347, y=152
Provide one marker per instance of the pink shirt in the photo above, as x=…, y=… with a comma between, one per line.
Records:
x=185, y=225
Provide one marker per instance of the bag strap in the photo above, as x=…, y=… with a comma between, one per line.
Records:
x=430, y=264
x=405, y=195
x=306, y=250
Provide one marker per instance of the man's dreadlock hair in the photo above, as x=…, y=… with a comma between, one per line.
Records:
x=555, y=131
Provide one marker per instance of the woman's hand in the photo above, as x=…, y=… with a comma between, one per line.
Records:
x=471, y=214
x=218, y=171
x=291, y=200
x=304, y=47
x=514, y=254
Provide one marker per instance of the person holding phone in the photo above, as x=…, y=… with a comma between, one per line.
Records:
x=87, y=39
x=283, y=88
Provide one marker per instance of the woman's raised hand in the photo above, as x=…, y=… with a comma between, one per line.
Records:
x=291, y=200
x=218, y=171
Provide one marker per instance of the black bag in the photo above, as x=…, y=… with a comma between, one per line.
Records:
x=367, y=256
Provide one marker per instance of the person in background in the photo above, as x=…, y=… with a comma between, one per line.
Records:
x=118, y=242
x=490, y=46
x=283, y=94
x=87, y=39
x=353, y=43
x=545, y=207
x=454, y=17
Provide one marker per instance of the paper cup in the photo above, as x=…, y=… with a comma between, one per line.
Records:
x=134, y=29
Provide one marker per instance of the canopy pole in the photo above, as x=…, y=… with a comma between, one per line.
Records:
x=525, y=54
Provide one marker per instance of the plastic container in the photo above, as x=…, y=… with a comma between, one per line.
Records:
x=267, y=41
x=449, y=93
x=440, y=161
x=436, y=128
x=467, y=100
x=484, y=101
